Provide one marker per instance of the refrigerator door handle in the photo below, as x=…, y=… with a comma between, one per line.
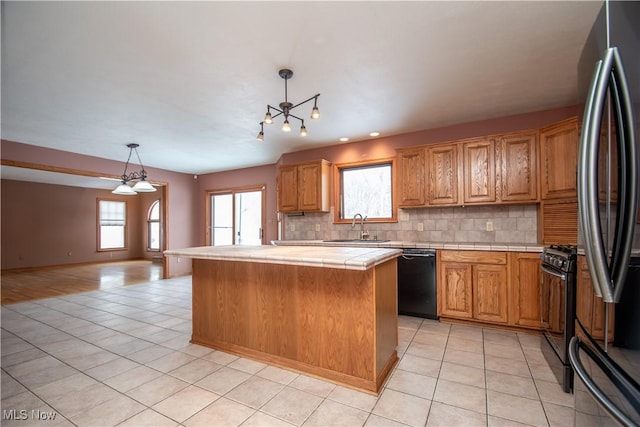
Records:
x=605, y=284
x=628, y=177
x=575, y=346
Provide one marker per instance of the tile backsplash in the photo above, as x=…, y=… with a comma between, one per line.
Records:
x=510, y=224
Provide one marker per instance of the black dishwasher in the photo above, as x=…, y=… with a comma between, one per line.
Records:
x=417, y=283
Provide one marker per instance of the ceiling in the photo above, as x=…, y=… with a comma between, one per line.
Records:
x=190, y=81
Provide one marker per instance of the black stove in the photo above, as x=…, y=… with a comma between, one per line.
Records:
x=560, y=257
x=558, y=307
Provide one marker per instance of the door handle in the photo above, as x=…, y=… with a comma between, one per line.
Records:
x=608, y=283
x=553, y=273
x=575, y=346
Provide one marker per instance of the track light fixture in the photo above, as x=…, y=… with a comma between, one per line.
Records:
x=285, y=110
x=142, y=186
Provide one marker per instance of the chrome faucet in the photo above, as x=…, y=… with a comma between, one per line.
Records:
x=363, y=234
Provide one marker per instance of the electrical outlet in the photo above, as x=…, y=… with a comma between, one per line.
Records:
x=317, y=227
x=420, y=226
x=292, y=227
x=489, y=226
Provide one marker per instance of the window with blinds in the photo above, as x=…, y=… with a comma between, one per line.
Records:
x=112, y=221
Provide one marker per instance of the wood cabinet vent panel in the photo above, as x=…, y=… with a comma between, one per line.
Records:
x=560, y=223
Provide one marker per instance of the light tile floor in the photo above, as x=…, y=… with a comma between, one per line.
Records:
x=122, y=357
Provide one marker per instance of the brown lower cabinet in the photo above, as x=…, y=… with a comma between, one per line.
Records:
x=590, y=308
x=490, y=287
x=524, y=283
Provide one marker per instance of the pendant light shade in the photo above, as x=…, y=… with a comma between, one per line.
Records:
x=142, y=185
x=285, y=109
x=124, y=190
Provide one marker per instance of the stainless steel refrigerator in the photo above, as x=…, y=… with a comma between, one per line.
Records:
x=607, y=369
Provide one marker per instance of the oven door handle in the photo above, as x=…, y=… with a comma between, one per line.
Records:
x=553, y=272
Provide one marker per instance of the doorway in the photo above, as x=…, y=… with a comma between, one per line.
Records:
x=44, y=174
x=236, y=216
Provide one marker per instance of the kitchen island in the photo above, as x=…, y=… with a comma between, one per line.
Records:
x=329, y=312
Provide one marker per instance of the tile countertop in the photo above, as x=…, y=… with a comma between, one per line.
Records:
x=502, y=247
x=345, y=257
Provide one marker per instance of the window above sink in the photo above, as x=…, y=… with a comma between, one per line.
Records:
x=365, y=188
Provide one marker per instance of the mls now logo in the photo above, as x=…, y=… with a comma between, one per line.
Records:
x=15, y=414
x=23, y=414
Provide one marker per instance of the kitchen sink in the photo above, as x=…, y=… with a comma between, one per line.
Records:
x=354, y=241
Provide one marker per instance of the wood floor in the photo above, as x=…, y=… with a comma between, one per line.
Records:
x=31, y=284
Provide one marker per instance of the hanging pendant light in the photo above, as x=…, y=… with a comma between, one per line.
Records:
x=124, y=189
x=285, y=109
x=142, y=185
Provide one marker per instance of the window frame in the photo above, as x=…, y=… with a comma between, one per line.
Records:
x=125, y=246
x=153, y=221
x=337, y=193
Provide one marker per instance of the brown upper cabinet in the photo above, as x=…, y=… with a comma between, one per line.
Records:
x=518, y=175
x=559, y=160
x=442, y=172
x=479, y=171
x=304, y=187
x=411, y=163
x=497, y=169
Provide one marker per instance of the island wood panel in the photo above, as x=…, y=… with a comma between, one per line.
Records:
x=327, y=322
x=386, y=318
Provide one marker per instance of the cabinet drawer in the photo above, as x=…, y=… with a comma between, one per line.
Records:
x=475, y=257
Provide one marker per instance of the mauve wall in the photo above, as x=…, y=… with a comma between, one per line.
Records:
x=44, y=224
x=180, y=191
x=260, y=175
x=385, y=146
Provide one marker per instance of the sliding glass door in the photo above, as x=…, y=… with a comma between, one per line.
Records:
x=236, y=217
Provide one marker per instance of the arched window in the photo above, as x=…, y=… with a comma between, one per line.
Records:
x=153, y=227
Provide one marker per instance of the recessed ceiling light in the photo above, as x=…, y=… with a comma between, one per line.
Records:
x=374, y=134
x=344, y=139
